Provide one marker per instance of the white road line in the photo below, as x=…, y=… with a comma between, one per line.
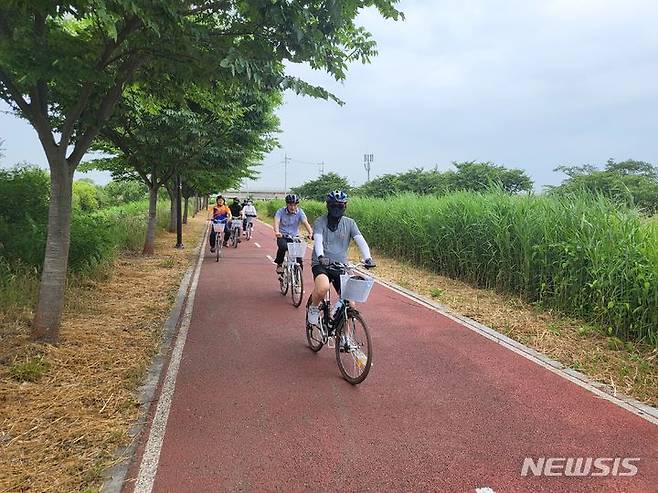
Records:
x=149, y=465
x=257, y=244
x=484, y=489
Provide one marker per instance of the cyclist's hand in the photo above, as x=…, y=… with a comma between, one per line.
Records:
x=323, y=260
x=369, y=263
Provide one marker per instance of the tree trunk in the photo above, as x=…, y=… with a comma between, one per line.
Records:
x=185, y=211
x=172, y=210
x=53, y=276
x=149, y=242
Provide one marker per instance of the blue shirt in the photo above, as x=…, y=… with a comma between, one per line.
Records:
x=289, y=223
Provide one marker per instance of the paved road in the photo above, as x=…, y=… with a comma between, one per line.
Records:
x=444, y=409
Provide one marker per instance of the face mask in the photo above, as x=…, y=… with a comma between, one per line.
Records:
x=336, y=212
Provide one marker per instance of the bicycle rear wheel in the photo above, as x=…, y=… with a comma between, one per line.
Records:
x=249, y=229
x=354, y=348
x=297, y=286
x=313, y=332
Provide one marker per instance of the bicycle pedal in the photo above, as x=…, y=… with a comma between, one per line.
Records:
x=331, y=342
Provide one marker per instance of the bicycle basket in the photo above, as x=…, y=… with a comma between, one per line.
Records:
x=296, y=249
x=236, y=224
x=355, y=288
x=218, y=227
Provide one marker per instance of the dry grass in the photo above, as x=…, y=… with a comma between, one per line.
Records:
x=630, y=368
x=59, y=431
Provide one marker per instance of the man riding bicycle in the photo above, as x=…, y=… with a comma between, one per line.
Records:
x=333, y=232
x=219, y=213
x=248, y=211
x=286, y=226
x=236, y=212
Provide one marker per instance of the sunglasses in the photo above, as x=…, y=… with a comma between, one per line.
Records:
x=337, y=205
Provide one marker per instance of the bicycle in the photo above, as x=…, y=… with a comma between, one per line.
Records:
x=343, y=327
x=248, y=227
x=236, y=231
x=218, y=227
x=292, y=271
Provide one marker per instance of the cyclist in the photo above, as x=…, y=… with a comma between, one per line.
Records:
x=333, y=232
x=248, y=211
x=286, y=225
x=219, y=213
x=236, y=212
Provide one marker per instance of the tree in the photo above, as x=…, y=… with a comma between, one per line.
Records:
x=629, y=182
x=319, y=188
x=125, y=191
x=64, y=65
x=481, y=176
x=207, y=135
x=468, y=176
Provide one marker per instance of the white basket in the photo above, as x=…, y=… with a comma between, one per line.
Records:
x=218, y=227
x=296, y=249
x=236, y=224
x=355, y=289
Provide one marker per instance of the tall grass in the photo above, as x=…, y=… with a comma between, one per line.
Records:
x=581, y=254
x=96, y=239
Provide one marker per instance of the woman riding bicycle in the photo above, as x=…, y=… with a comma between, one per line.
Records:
x=220, y=212
x=332, y=234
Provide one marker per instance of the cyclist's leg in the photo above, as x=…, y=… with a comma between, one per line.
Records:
x=227, y=232
x=281, y=249
x=321, y=284
x=213, y=239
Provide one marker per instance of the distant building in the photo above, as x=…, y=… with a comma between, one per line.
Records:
x=254, y=194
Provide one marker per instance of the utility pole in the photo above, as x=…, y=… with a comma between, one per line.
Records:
x=367, y=163
x=321, y=168
x=286, y=160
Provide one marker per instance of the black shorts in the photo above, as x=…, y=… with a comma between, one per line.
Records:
x=334, y=277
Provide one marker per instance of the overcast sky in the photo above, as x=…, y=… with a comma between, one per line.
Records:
x=528, y=84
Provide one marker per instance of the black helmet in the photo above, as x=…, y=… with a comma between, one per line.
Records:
x=292, y=198
x=337, y=196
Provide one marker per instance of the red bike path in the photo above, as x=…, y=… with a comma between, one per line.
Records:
x=443, y=409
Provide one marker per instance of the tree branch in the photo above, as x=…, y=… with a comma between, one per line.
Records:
x=16, y=95
x=131, y=25
x=126, y=71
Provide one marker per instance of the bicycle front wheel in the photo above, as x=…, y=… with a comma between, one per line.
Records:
x=354, y=348
x=297, y=286
x=284, y=282
x=313, y=332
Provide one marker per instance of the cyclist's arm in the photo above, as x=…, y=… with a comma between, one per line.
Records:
x=277, y=222
x=308, y=227
x=317, y=245
x=363, y=246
